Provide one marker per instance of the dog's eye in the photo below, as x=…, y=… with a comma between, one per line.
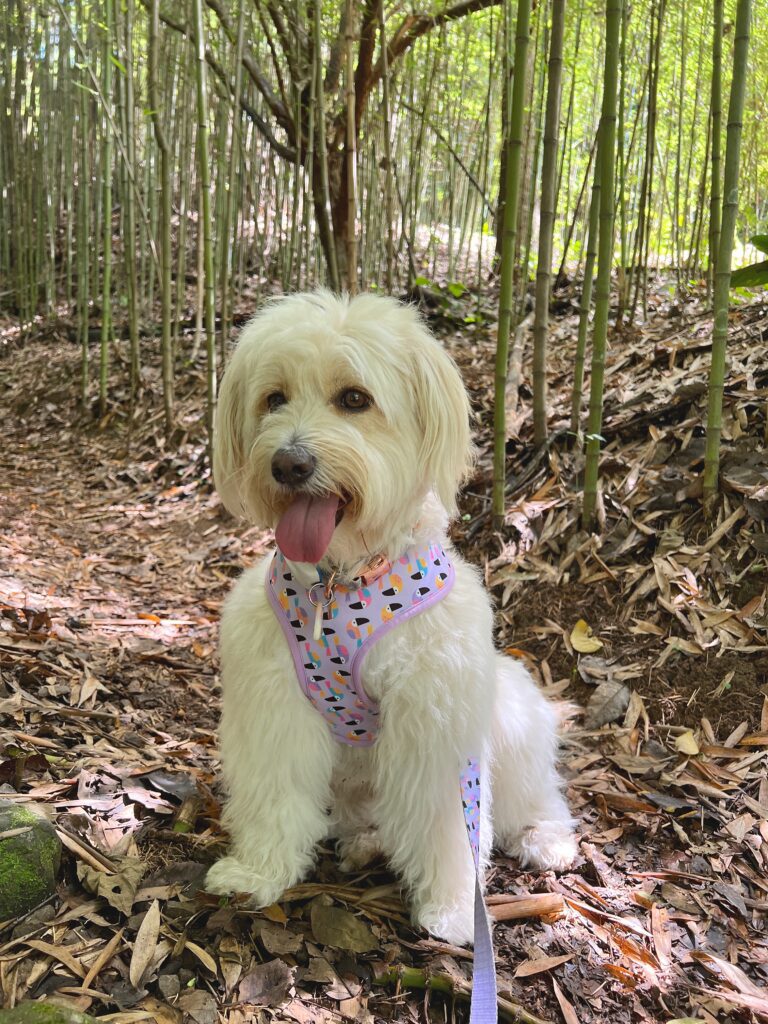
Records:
x=353, y=400
x=275, y=400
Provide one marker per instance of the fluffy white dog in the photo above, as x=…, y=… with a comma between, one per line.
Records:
x=344, y=425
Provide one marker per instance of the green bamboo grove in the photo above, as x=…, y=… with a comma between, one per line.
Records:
x=158, y=159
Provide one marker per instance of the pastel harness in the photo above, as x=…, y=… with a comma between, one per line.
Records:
x=330, y=628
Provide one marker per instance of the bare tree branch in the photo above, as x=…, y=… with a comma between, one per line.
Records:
x=281, y=114
x=414, y=26
x=274, y=103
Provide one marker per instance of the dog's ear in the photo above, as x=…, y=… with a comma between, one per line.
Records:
x=442, y=413
x=228, y=437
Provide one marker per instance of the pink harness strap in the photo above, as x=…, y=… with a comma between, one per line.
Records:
x=328, y=669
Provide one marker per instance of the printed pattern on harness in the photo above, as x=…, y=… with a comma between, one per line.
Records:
x=329, y=669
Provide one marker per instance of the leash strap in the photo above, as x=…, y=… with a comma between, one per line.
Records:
x=484, y=1004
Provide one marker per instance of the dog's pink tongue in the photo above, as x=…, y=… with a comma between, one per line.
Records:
x=306, y=527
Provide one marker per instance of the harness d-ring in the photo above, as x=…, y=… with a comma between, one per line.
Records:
x=320, y=603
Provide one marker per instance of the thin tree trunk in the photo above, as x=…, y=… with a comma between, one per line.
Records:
x=106, y=172
x=547, y=223
x=677, y=232
x=586, y=302
x=204, y=220
x=322, y=198
x=129, y=242
x=716, y=113
x=606, y=164
x=514, y=148
x=723, y=263
x=166, y=253
x=624, y=274
x=388, y=186
x=351, y=153
x=84, y=264
x=227, y=249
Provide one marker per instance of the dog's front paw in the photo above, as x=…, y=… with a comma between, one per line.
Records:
x=229, y=875
x=454, y=922
x=548, y=845
x=356, y=852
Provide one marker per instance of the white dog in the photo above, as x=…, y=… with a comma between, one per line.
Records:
x=344, y=425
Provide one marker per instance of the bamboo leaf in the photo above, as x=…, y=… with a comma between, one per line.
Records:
x=145, y=944
x=750, y=277
x=760, y=242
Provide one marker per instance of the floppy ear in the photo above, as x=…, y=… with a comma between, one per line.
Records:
x=228, y=437
x=442, y=413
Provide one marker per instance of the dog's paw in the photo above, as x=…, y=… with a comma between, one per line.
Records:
x=548, y=845
x=229, y=875
x=454, y=922
x=356, y=852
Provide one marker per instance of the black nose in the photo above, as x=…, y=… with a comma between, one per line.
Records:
x=293, y=466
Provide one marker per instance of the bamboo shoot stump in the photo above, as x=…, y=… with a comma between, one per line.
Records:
x=438, y=981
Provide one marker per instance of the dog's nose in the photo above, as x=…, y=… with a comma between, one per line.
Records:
x=293, y=466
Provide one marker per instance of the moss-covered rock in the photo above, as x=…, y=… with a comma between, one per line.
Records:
x=30, y=854
x=44, y=1013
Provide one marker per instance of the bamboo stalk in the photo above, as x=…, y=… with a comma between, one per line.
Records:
x=716, y=117
x=204, y=220
x=166, y=252
x=323, y=198
x=721, y=293
x=106, y=173
x=547, y=223
x=227, y=251
x=585, y=303
x=351, y=151
x=512, y=190
x=438, y=981
x=129, y=241
x=387, y=128
x=606, y=163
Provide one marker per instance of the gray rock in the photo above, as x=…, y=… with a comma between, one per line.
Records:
x=44, y=1013
x=30, y=854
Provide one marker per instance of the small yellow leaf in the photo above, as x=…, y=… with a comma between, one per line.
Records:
x=686, y=743
x=582, y=639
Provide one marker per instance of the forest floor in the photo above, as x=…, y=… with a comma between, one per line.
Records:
x=115, y=555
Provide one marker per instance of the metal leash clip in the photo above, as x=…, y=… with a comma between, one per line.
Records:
x=322, y=601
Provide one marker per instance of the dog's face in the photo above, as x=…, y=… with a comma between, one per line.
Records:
x=336, y=417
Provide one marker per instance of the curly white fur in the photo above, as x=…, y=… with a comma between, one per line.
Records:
x=445, y=694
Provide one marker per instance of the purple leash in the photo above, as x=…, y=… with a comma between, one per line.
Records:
x=484, y=1004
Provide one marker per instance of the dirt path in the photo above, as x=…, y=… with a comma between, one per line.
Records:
x=114, y=558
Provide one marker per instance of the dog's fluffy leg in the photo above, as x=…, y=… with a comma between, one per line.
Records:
x=531, y=817
x=277, y=756
x=422, y=831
